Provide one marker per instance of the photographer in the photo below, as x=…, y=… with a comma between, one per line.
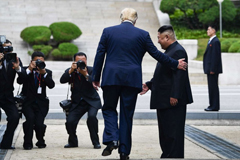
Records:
x=36, y=105
x=8, y=70
x=84, y=99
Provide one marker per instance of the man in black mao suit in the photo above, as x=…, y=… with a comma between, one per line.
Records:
x=212, y=66
x=84, y=99
x=171, y=92
x=8, y=72
x=36, y=104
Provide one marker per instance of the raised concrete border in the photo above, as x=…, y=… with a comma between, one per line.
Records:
x=221, y=115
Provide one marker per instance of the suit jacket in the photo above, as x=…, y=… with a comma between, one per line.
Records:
x=212, y=61
x=124, y=46
x=168, y=83
x=6, y=81
x=30, y=91
x=81, y=89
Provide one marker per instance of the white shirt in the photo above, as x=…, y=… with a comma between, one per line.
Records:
x=211, y=38
x=29, y=71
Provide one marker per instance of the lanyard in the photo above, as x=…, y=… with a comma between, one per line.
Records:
x=39, y=79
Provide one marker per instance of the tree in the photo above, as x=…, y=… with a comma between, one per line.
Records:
x=196, y=14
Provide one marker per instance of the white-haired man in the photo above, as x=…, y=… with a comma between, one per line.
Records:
x=124, y=46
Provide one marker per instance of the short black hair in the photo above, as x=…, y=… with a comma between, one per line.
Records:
x=213, y=26
x=164, y=28
x=37, y=54
x=79, y=54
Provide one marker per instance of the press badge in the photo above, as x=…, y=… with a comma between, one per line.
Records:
x=39, y=91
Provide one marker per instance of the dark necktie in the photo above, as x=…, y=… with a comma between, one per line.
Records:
x=36, y=78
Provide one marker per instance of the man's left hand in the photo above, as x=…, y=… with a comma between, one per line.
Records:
x=42, y=71
x=211, y=72
x=16, y=64
x=173, y=101
x=182, y=64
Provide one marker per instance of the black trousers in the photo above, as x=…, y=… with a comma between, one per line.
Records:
x=34, y=121
x=92, y=123
x=123, y=133
x=12, y=122
x=171, y=125
x=213, y=91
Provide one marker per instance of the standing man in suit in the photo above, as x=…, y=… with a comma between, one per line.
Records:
x=171, y=92
x=85, y=99
x=124, y=47
x=8, y=72
x=212, y=66
x=36, y=103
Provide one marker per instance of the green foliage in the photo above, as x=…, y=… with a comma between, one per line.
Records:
x=235, y=47
x=196, y=14
x=65, y=51
x=36, y=35
x=202, y=44
x=226, y=43
x=64, y=31
x=45, y=49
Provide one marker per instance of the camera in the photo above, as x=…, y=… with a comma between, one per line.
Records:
x=81, y=64
x=6, y=48
x=40, y=64
x=19, y=99
x=11, y=57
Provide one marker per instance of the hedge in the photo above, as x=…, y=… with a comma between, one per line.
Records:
x=65, y=51
x=36, y=35
x=235, y=47
x=226, y=43
x=45, y=49
x=64, y=31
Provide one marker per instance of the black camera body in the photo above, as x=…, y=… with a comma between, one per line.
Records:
x=19, y=99
x=5, y=49
x=81, y=64
x=40, y=64
x=11, y=57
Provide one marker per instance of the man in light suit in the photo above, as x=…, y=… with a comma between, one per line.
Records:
x=212, y=66
x=171, y=92
x=8, y=71
x=124, y=47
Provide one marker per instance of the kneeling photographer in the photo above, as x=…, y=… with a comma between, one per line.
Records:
x=36, y=104
x=10, y=65
x=84, y=99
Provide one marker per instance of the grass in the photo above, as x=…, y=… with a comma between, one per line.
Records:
x=202, y=45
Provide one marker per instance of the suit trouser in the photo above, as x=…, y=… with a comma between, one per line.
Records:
x=213, y=91
x=128, y=97
x=171, y=125
x=92, y=123
x=13, y=120
x=34, y=121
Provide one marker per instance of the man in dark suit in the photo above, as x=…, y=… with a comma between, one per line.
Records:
x=8, y=72
x=171, y=92
x=212, y=66
x=36, y=103
x=124, y=46
x=85, y=99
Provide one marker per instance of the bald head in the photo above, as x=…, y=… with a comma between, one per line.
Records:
x=129, y=14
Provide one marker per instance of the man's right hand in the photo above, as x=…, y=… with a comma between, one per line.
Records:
x=1, y=58
x=96, y=85
x=182, y=64
x=32, y=65
x=73, y=67
x=144, y=89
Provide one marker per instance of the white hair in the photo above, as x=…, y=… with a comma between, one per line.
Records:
x=129, y=14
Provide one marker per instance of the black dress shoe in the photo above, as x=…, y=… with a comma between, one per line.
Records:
x=27, y=148
x=96, y=146
x=123, y=156
x=69, y=146
x=7, y=147
x=209, y=109
x=111, y=146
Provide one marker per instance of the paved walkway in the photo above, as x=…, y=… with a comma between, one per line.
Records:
x=145, y=141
